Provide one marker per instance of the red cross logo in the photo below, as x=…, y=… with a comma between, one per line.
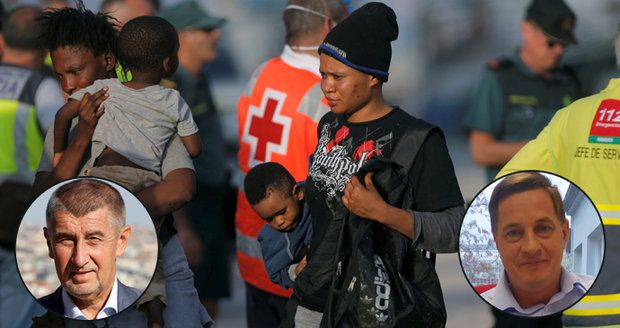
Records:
x=265, y=129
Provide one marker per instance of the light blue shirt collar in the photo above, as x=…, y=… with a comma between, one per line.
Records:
x=572, y=287
x=109, y=308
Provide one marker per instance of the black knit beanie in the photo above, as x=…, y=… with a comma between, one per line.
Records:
x=362, y=40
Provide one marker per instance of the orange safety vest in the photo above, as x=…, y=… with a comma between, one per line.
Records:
x=277, y=118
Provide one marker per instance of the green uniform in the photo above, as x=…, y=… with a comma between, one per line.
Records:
x=514, y=104
x=582, y=144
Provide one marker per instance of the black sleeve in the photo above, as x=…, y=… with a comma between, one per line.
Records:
x=432, y=176
x=438, y=204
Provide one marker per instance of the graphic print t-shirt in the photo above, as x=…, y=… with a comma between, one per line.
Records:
x=342, y=149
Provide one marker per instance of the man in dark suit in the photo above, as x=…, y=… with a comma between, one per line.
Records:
x=85, y=232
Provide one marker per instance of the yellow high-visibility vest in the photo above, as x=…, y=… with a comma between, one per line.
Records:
x=21, y=139
x=582, y=144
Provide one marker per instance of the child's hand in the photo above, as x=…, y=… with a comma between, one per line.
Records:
x=301, y=265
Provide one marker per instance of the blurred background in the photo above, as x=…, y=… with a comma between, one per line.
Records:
x=437, y=62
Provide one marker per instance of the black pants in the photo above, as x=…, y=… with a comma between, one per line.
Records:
x=505, y=320
x=264, y=310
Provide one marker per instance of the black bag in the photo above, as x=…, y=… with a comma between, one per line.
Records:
x=368, y=290
x=381, y=280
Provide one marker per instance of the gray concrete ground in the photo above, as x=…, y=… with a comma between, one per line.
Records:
x=465, y=309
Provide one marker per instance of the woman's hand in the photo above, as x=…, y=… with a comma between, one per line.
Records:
x=90, y=108
x=364, y=200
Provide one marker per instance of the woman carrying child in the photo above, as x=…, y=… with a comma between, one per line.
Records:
x=362, y=128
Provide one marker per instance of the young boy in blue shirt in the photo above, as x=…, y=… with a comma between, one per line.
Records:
x=275, y=196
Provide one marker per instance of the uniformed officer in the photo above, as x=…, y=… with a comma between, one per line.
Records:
x=519, y=93
x=28, y=102
x=582, y=143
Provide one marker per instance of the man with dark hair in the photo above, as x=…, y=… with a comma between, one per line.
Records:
x=522, y=182
x=87, y=217
x=78, y=60
x=518, y=94
x=282, y=93
x=29, y=100
x=531, y=231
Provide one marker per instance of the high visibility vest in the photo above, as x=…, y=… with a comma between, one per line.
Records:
x=21, y=139
x=582, y=144
x=277, y=116
x=21, y=145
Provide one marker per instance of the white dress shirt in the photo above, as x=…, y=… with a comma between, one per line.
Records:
x=109, y=308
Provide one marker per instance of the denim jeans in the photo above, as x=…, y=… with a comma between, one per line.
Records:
x=17, y=305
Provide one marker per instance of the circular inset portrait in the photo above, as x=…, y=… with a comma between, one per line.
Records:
x=86, y=249
x=531, y=244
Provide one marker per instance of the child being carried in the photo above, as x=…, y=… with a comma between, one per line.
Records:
x=275, y=196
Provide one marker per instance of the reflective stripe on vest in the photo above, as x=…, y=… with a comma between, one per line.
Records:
x=602, y=309
x=248, y=245
x=19, y=131
x=610, y=214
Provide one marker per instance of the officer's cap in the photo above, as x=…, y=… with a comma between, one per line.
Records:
x=555, y=18
x=189, y=15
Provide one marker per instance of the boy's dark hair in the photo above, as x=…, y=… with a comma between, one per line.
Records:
x=78, y=27
x=521, y=182
x=266, y=175
x=145, y=41
x=20, y=28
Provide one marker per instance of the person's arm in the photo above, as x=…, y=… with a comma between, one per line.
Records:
x=543, y=153
x=486, y=150
x=173, y=192
x=439, y=205
x=435, y=226
x=193, y=144
x=275, y=256
x=188, y=130
x=484, y=122
x=440, y=228
x=178, y=185
x=62, y=125
x=69, y=164
x=438, y=231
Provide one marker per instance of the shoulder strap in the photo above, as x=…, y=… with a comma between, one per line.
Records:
x=409, y=144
